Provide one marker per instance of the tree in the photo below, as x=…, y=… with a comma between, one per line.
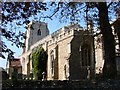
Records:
x=39, y=62
x=109, y=69
x=99, y=12
x=117, y=29
x=15, y=16
x=116, y=25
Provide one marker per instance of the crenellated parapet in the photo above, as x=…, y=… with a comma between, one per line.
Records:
x=58, y=36
x=60, y=44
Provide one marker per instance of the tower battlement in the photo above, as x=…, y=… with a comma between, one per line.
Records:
x=35, y=31
x=60, y=34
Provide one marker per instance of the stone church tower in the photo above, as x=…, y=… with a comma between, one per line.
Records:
x=71, y=52
x=35, y=32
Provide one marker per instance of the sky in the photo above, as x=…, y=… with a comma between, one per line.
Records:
x=53, y=25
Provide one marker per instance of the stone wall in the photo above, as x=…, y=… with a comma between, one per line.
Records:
x=99, y=53
x=65, y=44
x=77, y=70
x=32, y=33
x=61, y=41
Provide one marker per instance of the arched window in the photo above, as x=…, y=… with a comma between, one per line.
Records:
x=86, y=55
x=66, y=70
x=39, y=32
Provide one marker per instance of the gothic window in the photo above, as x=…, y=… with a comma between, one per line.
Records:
x=52, y=63
x=66, y=70
x=86, y=55
x=39, y=32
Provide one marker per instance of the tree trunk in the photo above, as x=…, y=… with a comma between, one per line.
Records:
x=109, y=69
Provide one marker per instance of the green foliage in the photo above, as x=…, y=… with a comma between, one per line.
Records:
x=39, y=62
x=15, y=17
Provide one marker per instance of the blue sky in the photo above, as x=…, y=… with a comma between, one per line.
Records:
x=53, y=25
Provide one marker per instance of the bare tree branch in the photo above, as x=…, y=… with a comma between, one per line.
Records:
x=109, y=4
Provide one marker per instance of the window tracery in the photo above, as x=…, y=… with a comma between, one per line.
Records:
x=86, y=55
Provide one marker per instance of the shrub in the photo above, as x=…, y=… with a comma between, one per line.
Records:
x=39, y=60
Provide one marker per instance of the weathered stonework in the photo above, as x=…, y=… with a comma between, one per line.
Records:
x=73, y=53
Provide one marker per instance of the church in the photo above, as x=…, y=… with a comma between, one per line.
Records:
x=73, y=52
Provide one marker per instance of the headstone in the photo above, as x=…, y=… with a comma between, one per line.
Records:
x=43, y=76
x=88, y=72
